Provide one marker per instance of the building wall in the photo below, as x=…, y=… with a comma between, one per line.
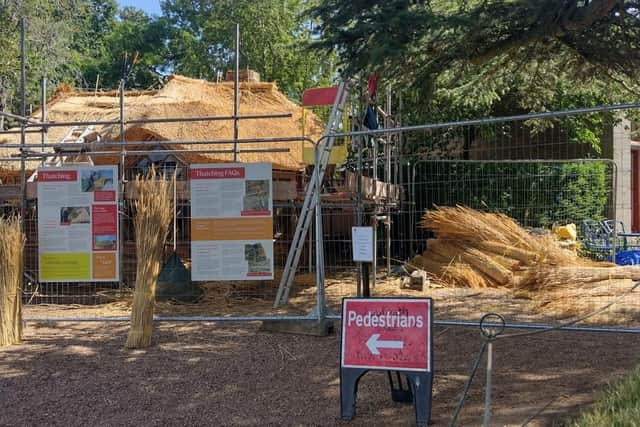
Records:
x=616, y=145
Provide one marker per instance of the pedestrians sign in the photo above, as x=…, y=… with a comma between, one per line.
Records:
x=390, y=334
x=386, y=333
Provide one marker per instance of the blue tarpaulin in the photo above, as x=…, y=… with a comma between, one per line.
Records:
x=628, y=257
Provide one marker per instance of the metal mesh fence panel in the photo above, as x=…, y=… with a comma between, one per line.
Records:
x=215, y=298
x=541, y=173
x=539, y=196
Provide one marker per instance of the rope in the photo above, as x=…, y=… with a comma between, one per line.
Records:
x=541, y=410
x=467, y=386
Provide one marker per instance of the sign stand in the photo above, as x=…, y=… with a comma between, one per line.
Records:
x=387, y=334
x=400, y=394
x=420, y=393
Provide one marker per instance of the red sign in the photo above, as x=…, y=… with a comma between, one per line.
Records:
x=57, y=176
x=104, y=196
x=217, y=173
x=319, y=96
x=104, y=227
x=386, y=333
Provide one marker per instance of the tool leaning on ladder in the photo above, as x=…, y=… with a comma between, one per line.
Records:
x=311, y=201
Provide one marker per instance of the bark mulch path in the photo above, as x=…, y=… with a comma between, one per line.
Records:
x=72, y=374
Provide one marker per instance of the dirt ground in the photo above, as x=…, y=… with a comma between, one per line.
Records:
x=75, y=374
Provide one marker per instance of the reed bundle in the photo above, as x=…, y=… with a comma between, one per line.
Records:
x=11, y=257
x=477, y=249
x=153, y=215
x=550, y=277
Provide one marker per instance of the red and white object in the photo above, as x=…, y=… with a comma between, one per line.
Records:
x=386, y=333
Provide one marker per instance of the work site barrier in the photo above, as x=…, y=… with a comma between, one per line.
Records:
x=531, y=169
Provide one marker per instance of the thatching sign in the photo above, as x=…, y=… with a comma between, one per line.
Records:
x=231, y=222
x=78, y=224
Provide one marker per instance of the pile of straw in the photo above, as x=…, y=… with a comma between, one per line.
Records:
x=153, y=215
x=486, y=250
x=11, y=258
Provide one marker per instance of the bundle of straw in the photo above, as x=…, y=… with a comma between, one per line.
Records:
x=11, y=257
x=153, y=215
x=478, y=249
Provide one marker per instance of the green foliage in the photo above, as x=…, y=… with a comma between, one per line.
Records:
x=273, y=41
x=110, y=35
x=464, y=59
x=619, y=406
x=535, y=194
x=50, y=31
x=581, y=192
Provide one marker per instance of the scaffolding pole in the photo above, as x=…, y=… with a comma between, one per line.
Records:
x=23, y=136
x=168, y=143
x=35, y=123
x=236, y=80
x=43, y=115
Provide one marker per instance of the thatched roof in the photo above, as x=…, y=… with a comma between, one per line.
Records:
x=182, y=97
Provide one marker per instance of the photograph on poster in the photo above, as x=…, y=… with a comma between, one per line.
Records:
x=256, y=257
x=75, y=215
x=105, y=242
x=256, y=195
x=96, y=180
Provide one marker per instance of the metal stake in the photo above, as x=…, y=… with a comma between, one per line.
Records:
x=491, y=326
x=487, y=393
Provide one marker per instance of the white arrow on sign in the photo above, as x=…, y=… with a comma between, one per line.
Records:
x=373, y=344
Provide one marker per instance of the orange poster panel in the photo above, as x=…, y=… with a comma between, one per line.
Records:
x=104, y=265
x=231, y=228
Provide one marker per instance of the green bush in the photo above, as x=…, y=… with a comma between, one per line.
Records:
x=535, y=194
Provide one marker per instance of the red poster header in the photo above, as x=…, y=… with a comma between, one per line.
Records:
x=386, y=333
x=217, y=173
x=57, y=176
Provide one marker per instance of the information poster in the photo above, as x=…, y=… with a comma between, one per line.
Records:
x=362, y=243
x=78, y=224
x=231, y=222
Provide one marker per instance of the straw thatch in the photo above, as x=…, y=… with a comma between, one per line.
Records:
x=11, y=256
x=182, y=97
x=478, y=250
x=153, y=214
